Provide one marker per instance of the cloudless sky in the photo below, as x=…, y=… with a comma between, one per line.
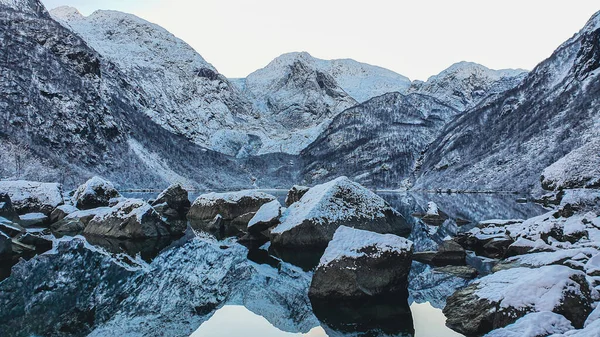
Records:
x=414, y=38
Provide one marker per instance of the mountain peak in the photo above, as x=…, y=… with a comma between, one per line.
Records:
x=593, y=23
x=66, y=13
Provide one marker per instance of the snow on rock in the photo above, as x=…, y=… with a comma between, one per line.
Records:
x=359, y=263
x=536, y=324
x=580, y=168
x=558, y=257
x=313, y=220
x=173, y=202
x=61, y=212
x=96, y=192
x=499, y=299
x=33, y=219
x=74, y=223
x=129, y=219
x=32, y=197
x=266, y=217
x=432, y=208
x=591, y=330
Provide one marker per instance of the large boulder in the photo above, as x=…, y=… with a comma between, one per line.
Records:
x=61, y=212
x=499, y=299
x=235, y=209
x=295, y=194
x=33, y=197
x=7, y=210
x=267, y=216
x=74, y=223
x=129, y=219
x=312, y=221
x=449, y=253
x=95, y=192
x=360, y=264
x=434, y=216
x=173, y=202
x=33, y=219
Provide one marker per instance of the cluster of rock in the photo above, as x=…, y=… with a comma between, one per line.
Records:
x=33, y=213
x=546, y=274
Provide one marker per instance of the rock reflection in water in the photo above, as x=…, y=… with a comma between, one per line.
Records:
x=148, y=249
x=390, y=316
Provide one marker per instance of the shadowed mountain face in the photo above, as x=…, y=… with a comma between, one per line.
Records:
x=379, y=142
x=506, y=142
x=77, y=115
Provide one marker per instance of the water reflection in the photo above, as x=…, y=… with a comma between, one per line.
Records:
x=237, y=320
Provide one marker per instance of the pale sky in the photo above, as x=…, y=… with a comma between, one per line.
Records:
x=414, y=38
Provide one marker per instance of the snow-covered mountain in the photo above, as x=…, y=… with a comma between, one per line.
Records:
x=68, y=113
x=509, y=139
x=463, y=85
x=379, y=142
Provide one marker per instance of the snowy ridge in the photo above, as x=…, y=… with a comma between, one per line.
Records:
x=353, y=243
x=463, y=85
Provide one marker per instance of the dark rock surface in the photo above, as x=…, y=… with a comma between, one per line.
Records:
x=96, y=192
x=173, y=202
x=295, y=194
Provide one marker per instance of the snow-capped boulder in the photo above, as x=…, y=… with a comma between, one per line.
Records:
x=61, y=212
x=312, y=221
x=590, y=330
x=33, y=197
x=361, y=264
x=96, y=192
x=75, y=223
x=499, y=299
x=536, y=324
x=129, y=219
x=33, y=219
x=173, y=202
x=578, y=169
x=266, y=217
x=230, y=206
x=295, y=194
x=7, y=210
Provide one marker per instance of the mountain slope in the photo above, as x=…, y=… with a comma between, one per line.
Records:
x=379, y=142
x=506, y=141
x=77, y=115
x=463, y=85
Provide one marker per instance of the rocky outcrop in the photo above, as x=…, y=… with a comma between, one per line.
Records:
x=173, y=202
x=61, y=212
x=234, y=210
x=129, y=219
x=312, y=221
x=501, y=298
x=94, y=193
x=74, y=223
x=360, y=264
x=33, y=197
x=295, y=194
x=266, y=217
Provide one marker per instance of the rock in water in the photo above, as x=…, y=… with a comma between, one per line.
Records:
x=235, y=209
x=295, y=194
x=95, y=192
x=76, y=222
x=501, y=298
x=7, y=210
x=266, y=217
x=312, y=221
x=33, y=197
x=361, y=264
x=173, y=202
x=129, y=219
